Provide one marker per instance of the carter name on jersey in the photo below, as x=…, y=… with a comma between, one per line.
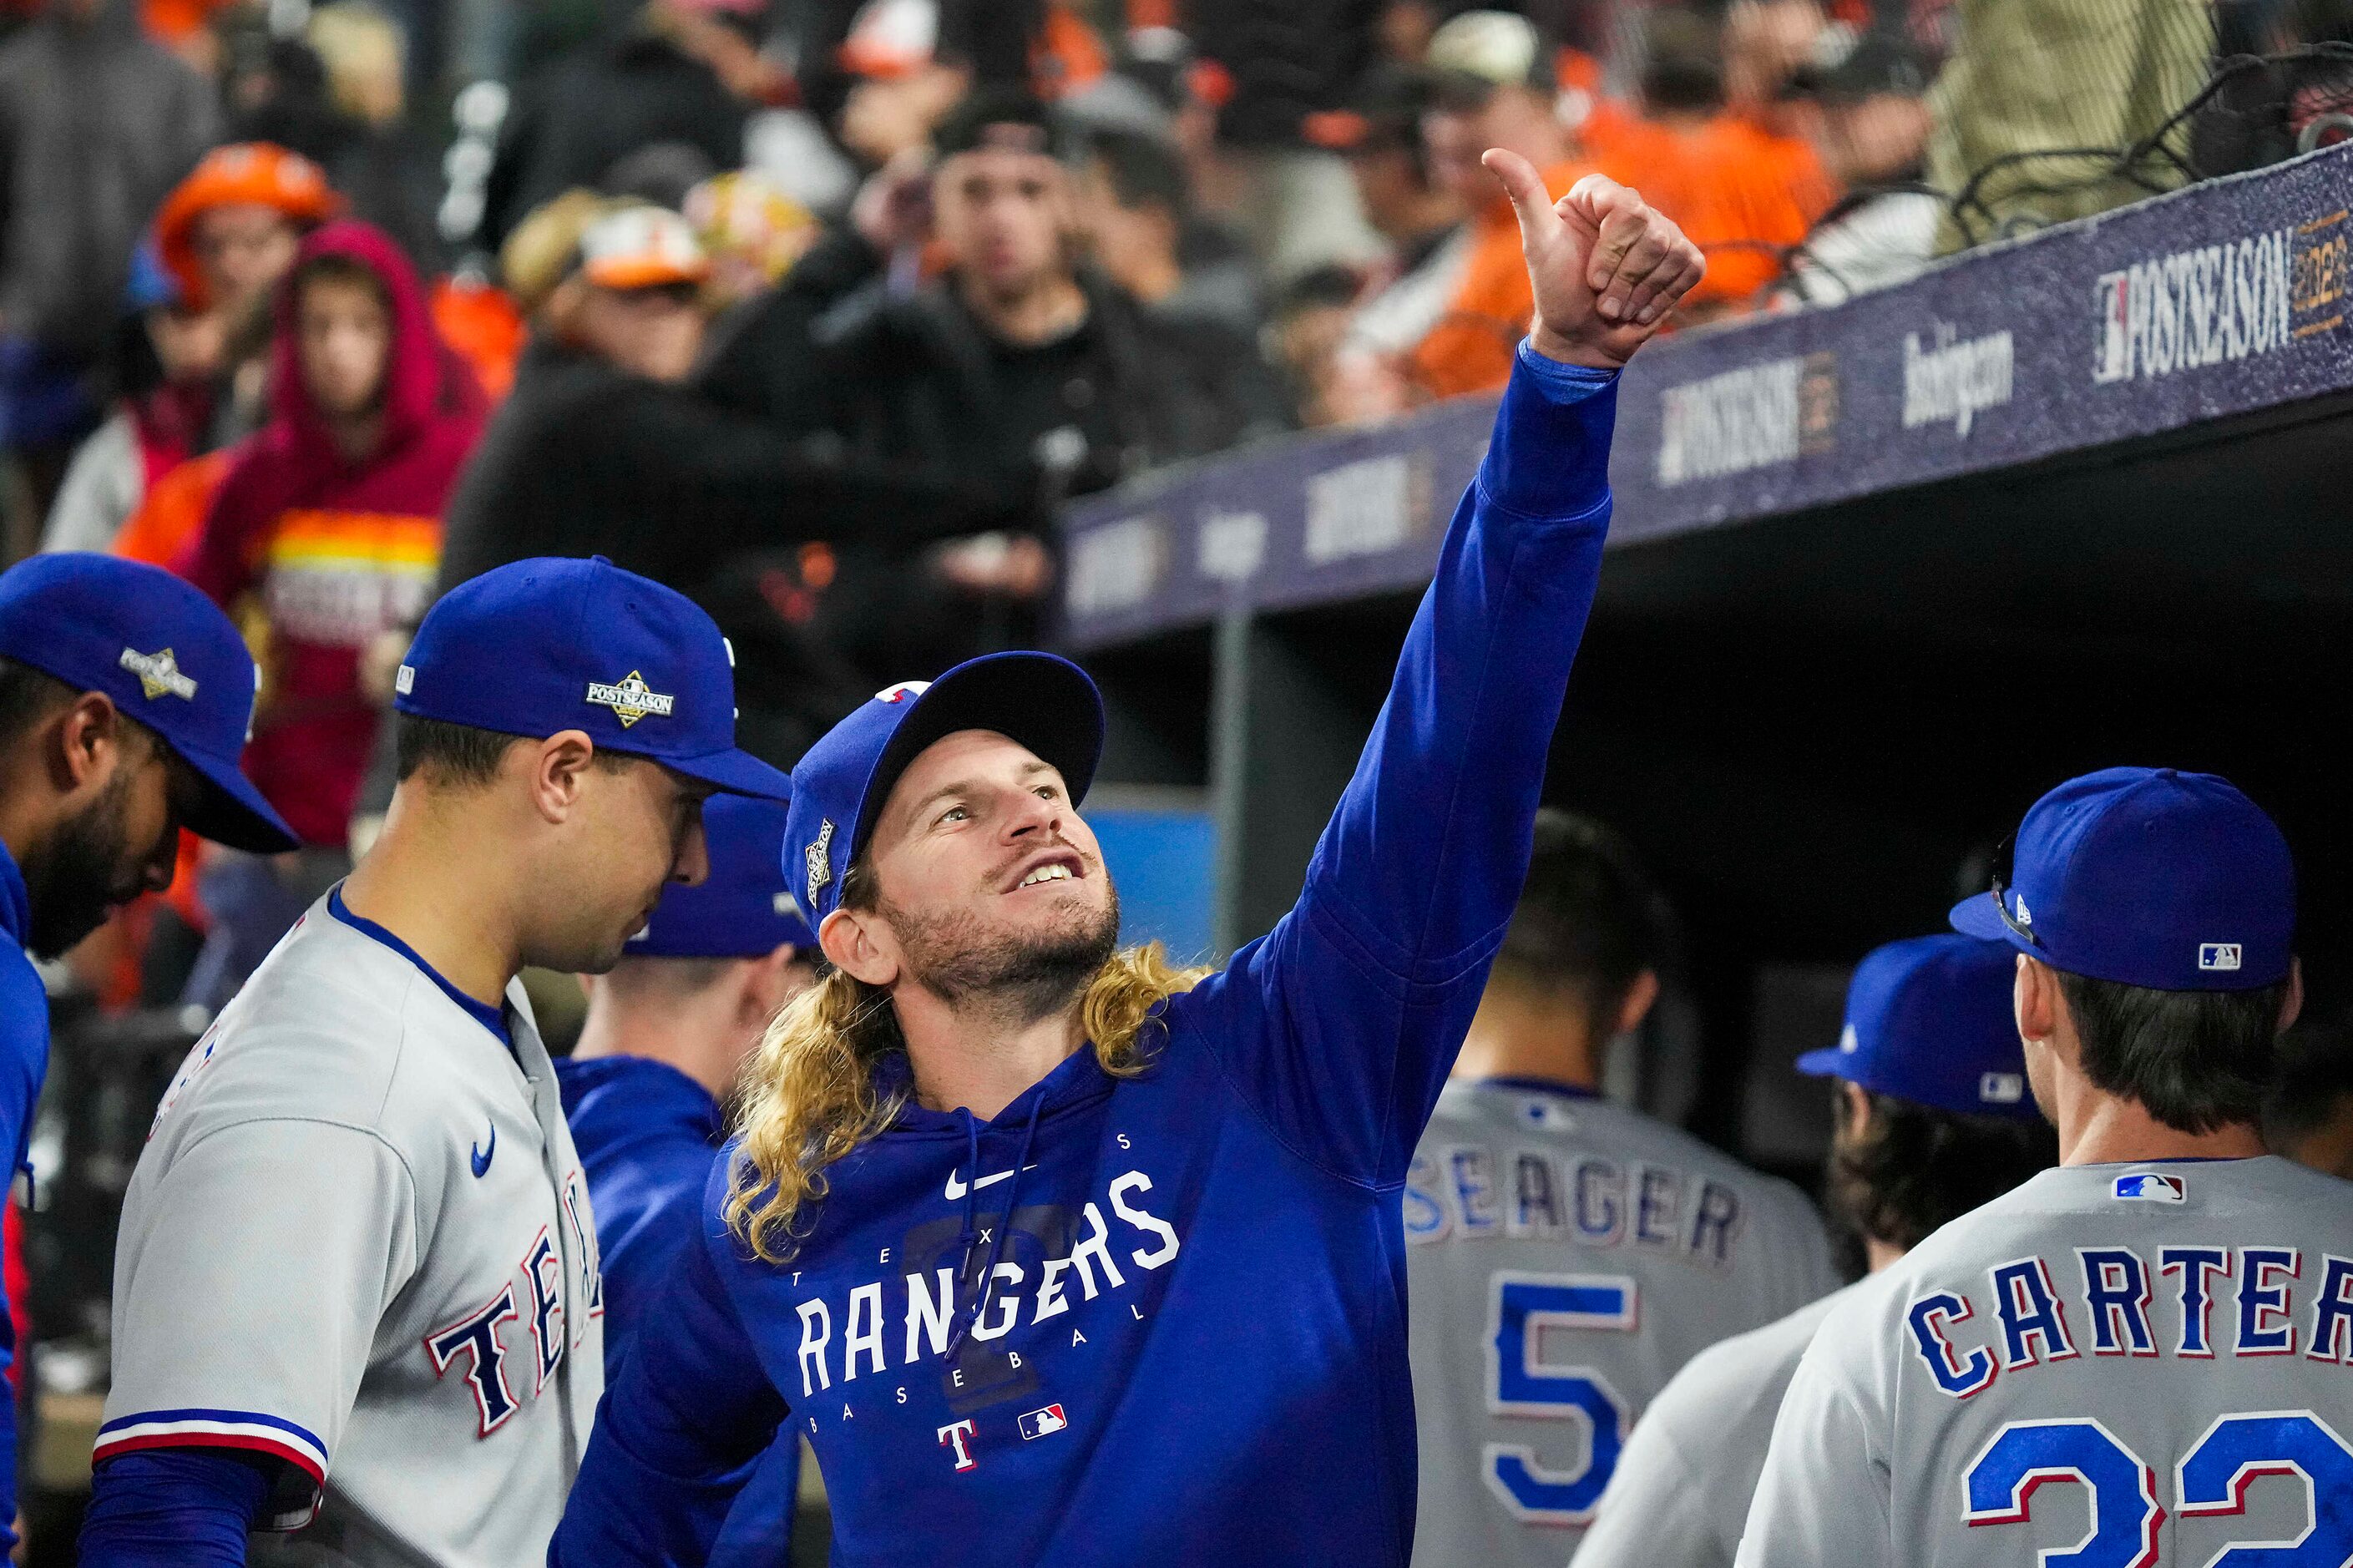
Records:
x=2193, y=1302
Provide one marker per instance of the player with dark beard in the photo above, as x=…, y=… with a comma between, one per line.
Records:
x=124, y=701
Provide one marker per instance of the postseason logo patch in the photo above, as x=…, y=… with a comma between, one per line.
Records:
x=159, y=674
x=817, y=859
x=630, y=699
x=2150, y=1187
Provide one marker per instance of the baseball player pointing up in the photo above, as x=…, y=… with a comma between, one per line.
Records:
x=1054, y=1254
x=2144, y=1356
x=358, y=1253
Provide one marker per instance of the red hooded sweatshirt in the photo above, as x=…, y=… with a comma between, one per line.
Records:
x=331, y=552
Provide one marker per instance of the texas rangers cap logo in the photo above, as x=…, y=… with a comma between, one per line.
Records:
x=630, y=699
x=159, y=674
x=2150, y=1186
x=900, y=692
x=817, y=858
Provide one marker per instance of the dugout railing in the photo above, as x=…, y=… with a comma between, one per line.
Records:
x=1881, y=573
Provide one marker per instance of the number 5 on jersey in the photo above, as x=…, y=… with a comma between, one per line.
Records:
x=1521, y=1385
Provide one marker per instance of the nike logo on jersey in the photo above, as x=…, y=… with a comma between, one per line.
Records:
x=956, y=1189
x=482, y=1156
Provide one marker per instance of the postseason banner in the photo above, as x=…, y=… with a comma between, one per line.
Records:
x=2221, y=300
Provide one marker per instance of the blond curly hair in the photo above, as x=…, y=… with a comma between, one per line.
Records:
x=808, y=1095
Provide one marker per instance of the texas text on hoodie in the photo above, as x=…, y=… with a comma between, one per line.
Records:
x=1191, y=1348
x=337, y=550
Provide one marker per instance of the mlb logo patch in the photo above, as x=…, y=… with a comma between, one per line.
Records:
x=1037, y=1423
x=2218, y=955
x=2002, y=1088
x=2150, y=1186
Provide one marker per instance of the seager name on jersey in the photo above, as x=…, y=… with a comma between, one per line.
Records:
x=2191, y=1301
x=840, y=1342
x=1464, y=1190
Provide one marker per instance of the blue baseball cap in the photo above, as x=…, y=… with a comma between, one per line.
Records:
x=168, y=658
x=1038, y=699
x=1929, y=1020
x=538, y=647
x=2145, y=877
x=745, y=908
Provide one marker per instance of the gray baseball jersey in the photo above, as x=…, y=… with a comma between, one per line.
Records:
x=2113, y=1366
x=359, y=1243
x=1566, y=1255
x=1680, y=1494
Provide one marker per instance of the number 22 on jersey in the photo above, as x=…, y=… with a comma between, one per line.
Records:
x=2213, y=1479
x=1520, y=1385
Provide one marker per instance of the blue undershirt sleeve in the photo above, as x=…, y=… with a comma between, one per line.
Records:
x=171, y=1508
x=24, y=1062
x=680, y=1428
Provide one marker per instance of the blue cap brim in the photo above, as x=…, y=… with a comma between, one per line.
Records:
x=1827, y=1062
x=1980, y=917
x=233, y=811
x=1040, y=701
x=737, y=773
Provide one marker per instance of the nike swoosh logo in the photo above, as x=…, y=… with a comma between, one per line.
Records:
x=482, y=1156
x=957, y=1188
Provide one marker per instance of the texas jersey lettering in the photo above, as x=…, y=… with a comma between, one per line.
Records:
x=359, y=1244
x=1565, y=1257
x=2113, y=1367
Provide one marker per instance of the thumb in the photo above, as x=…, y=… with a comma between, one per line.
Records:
x=1525, y=187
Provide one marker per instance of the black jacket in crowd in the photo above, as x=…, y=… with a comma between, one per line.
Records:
x=578, y=117
x=587, y=459
x=916, y=380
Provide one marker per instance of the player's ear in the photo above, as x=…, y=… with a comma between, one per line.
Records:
x=1641, y=995
x=2292, y=1001
x=558, y=765
x=89, y=730
x=770, y=981
x=2035, y=1001
x=859, y=944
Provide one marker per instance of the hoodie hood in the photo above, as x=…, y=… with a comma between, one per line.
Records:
x=423, y=379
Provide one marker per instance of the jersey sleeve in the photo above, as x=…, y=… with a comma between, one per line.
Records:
x=1341, y=1023
x=1655, y=1512
x=681, y=1429
x=249, y=1278
x=24, y=1062
x=1824, y=1495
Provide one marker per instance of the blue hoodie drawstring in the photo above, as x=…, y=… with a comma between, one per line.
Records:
x=971, y=1190
x=970, y=1317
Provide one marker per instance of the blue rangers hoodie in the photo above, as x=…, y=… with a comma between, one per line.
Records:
x=1191, y=1346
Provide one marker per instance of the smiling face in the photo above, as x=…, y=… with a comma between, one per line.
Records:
x=984, y=878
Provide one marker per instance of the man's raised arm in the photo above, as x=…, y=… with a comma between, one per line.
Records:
x=1342, y=1022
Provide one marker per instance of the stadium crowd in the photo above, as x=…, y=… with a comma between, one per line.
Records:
x=250, y=337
